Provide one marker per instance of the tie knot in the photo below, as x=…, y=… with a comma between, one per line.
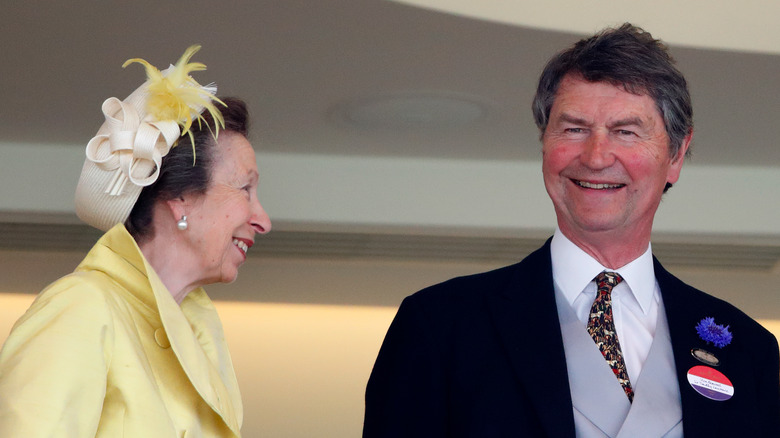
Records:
x=608, y=279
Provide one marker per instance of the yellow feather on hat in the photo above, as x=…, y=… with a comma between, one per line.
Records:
x=176, y=96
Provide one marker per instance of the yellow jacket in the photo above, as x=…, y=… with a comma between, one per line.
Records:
x=107, y=352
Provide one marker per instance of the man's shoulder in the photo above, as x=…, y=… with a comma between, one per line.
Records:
x=698, y=304
x=480, y=285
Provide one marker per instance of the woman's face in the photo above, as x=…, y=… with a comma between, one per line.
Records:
x=224, y=220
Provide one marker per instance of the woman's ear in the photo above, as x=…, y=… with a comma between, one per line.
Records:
x=178, y=207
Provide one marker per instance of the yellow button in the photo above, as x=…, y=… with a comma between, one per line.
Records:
x=162, y=338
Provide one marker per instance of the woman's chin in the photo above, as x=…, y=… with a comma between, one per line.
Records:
x=229, y=276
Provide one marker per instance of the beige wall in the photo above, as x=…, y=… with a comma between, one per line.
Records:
x=317, y=190
x=302, y=365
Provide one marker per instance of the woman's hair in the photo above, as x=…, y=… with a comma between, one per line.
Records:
x=181, y=173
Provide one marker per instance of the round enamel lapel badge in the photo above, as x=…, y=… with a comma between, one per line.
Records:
x=710, y=383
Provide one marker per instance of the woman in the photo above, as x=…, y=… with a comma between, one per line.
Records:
x=130, y=344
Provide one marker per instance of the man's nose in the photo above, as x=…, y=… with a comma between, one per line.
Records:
x=598, y=151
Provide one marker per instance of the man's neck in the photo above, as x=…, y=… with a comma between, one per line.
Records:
x=611, y=249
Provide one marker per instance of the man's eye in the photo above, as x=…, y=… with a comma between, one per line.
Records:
x=625, y=132
x=573, y=130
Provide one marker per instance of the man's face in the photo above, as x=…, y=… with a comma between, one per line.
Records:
x=606, y=160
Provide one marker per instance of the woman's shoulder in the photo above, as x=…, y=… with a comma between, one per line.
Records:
x=79, y=285
x=90, y=293
x=73, y=312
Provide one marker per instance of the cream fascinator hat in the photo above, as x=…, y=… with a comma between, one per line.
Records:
x=125, y=155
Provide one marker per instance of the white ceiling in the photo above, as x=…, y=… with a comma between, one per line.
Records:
x=747, y=25
x=303, y=65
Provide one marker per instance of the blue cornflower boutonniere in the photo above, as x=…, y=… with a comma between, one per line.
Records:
x=712, y=333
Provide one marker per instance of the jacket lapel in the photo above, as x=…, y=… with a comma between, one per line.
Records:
x=683, y=338
x=216, y=386
x=683, y=312
x=202, y=315
x=200, y=369
x=525, y=317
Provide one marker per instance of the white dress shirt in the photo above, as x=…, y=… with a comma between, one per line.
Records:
x=635, y=301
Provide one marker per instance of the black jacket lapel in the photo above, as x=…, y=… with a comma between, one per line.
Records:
x=526, y=320
x=741, y=415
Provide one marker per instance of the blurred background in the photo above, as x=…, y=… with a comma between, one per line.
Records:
x=396, y=149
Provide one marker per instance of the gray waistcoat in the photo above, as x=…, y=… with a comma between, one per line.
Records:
x=601, y=408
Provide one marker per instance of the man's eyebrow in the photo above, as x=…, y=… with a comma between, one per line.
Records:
x=628, y=121
x=565, y=117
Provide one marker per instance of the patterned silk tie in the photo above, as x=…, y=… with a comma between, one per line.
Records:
x=601, y=327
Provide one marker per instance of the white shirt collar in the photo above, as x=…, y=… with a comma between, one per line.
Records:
x=574, y=269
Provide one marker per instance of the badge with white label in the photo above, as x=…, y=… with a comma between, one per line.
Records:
x=710, y=383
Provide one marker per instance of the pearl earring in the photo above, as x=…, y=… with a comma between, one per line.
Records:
x=182, y=224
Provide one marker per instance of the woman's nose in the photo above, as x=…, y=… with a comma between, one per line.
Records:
x=260, y=220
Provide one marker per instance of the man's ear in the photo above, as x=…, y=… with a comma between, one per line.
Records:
x=682, y=152
x=678, y=158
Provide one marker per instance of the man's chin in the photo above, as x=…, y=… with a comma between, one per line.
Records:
x=597, y=226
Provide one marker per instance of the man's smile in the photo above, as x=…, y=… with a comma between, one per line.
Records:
x=597, y=186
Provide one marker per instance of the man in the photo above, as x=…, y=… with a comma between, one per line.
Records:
x=588, y=336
